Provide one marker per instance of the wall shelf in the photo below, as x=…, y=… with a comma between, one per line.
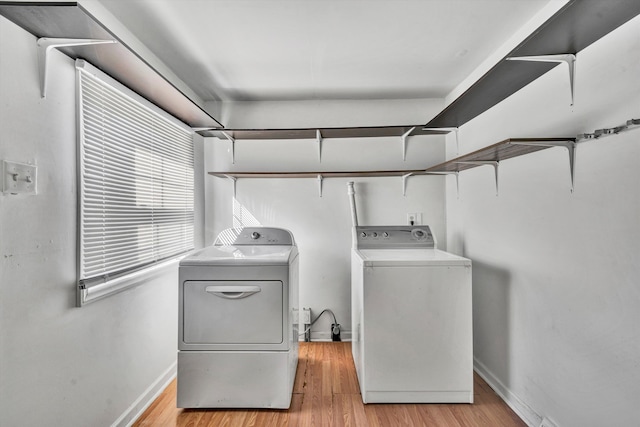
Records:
x=574, y=27
x=321, y=176
x=69, y=20
x=324, y=174
x=320, y=134
x=311, y=133
x=503, y=150
x=514, y=147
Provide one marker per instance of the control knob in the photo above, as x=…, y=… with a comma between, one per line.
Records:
x=255, y=235
x=418, y=234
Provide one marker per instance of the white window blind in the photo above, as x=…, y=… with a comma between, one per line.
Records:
x=136, y=201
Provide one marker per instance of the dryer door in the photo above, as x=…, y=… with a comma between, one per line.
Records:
x=233, y=312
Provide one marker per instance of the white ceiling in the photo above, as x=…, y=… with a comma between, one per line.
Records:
x=236, y=50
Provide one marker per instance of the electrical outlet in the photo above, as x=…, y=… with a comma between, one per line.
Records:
x=414, y=218
x=335, y=332
x=546, y=422
x=306, y=316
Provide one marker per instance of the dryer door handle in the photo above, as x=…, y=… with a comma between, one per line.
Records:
x=233, y=292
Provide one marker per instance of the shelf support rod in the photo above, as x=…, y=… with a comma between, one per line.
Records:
x=630, y=124
x=45, y=44
x=320, y=178
x=448, y=129
x=569, y=145
x=233, y=146
x=454, y=173
x=567, y=58
x=319, y=140
x=404, y=137
x=493, y=163
x=234, y=181
x=404, y=183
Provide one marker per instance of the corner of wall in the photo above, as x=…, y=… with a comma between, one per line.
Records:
x=145, y=400
x=528, y=415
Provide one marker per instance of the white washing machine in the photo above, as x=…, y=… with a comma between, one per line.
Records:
x=411, y=318
x=238, y=326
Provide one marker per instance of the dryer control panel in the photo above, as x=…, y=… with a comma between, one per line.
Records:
x=255, y=236
x=395, y=237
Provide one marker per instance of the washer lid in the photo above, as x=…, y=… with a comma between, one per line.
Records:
x=409, y=257
x=242, y=255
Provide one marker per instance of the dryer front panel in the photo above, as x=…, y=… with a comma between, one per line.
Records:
x=233, y=312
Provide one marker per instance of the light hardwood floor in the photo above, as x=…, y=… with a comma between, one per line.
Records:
x=326, y=393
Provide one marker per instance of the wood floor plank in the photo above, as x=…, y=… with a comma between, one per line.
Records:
x=359, y=416
x=188, y=418
x=326, y=394
x=343, y=377
x=298, y=385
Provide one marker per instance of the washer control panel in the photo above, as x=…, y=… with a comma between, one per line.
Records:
x=255, y=236
x=395, y=237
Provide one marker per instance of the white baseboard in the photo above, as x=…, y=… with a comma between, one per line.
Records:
x=523, y=410
x=146, y=399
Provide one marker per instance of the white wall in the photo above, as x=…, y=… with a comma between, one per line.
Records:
x=557, y=274
x=61, y=365
x=322, y=225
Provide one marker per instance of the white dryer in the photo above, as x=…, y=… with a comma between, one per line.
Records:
x=411, y=318
x=238, y=326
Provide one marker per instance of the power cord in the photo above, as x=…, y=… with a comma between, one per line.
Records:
x=335, y=326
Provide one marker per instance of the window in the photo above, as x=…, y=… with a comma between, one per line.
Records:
x=135, y=186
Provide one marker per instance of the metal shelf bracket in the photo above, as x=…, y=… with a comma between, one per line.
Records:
x=445, y=129
x=493, y=163
x=320, y=178
x=569, y=145
x=233, y=146
x=404, y=137
x=45, y=45
x=404, y=183
x=567, y=58
x=234, y=182
x=319, y=140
